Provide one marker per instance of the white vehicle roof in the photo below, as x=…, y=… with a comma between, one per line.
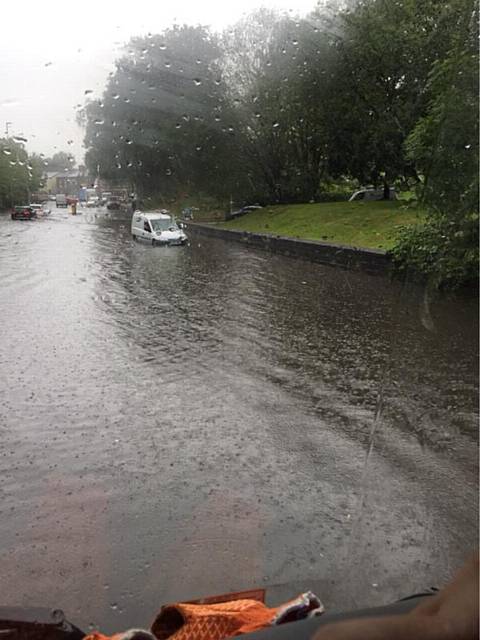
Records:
x=154, y=215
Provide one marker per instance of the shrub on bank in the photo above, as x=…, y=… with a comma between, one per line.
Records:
x=442, y=249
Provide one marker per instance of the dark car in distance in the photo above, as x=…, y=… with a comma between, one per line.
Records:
x=113, y=204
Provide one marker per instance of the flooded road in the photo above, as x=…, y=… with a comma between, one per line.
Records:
x=177, y=422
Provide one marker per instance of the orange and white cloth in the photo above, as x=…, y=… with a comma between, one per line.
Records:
x=220, y=620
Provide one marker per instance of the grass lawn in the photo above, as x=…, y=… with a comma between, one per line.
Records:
x=360, y=224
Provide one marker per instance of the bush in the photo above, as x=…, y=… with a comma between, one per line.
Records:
x=333, y=196
x=444, y=250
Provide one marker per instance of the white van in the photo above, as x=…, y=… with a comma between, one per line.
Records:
x=157, y=228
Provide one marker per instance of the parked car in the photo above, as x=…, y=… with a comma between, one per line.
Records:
x=251, y=207
x=40, y=209
x=241, y=212
x=24, y=212
x=157, y=228
x=372, y=194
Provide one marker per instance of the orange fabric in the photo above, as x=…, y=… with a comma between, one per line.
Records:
x=219, y=620
x=211, y=621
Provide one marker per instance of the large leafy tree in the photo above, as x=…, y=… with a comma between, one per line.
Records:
x=444, y=147
x=164, y=124
x=386, y=50
x=444, y=142
x=278, y=89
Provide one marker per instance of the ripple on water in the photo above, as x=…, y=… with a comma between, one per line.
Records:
x=163, y=406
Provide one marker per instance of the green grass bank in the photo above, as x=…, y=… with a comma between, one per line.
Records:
x=360, y=224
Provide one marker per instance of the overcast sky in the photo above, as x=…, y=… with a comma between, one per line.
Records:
x=52, y=52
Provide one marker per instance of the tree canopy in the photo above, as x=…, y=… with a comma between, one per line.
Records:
x=60, y=161
x=20, y=173
x=381, y=92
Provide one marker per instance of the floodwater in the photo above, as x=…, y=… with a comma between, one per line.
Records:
x=185, y=421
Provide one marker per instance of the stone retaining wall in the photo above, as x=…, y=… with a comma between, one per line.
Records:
x=369, y=260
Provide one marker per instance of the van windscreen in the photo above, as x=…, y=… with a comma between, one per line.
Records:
x=162, y=224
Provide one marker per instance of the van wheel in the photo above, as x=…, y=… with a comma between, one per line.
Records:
x=134, y=237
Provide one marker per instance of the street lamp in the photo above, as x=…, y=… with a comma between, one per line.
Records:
x=7, y=126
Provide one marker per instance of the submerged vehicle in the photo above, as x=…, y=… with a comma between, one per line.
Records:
x=24, y=212
x=40, y=209
x=157, y=228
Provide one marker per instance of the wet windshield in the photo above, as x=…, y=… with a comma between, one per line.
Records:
x=161, y=224
x=313, y=328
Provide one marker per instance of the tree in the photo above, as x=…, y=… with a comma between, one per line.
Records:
x=386, y=50
x=163, y=125
x=444, y=146
x=277, y=77
x=20, y=174
x=60, y=161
